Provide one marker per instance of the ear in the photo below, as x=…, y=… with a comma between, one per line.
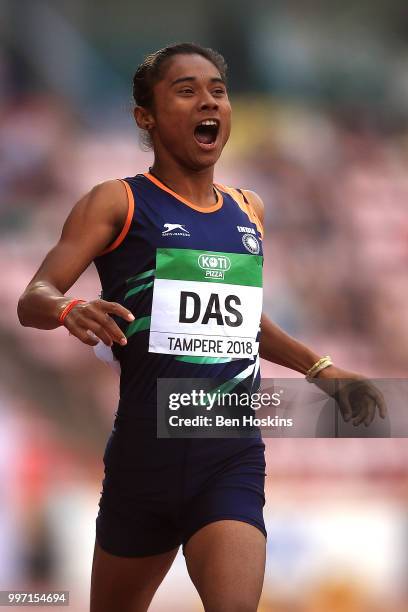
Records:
x=143, y=118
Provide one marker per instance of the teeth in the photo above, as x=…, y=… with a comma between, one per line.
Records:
x=209, y=122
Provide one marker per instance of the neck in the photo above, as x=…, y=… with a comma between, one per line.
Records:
x=195, y=186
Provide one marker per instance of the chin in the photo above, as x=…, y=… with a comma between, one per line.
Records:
x=205, y=160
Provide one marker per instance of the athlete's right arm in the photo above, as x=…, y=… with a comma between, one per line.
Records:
x=93, y=224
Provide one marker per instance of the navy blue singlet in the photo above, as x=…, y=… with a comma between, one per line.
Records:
x=192, y=278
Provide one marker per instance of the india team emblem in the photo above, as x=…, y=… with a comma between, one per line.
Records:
x=251, y=243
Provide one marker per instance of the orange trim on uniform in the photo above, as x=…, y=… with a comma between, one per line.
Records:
x=247, y=208
x=209, y=209
x=125, y=229
x=257, y=220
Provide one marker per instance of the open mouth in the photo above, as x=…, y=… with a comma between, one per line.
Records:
x=206, y=132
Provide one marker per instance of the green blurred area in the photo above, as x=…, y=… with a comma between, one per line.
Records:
x=332, y=52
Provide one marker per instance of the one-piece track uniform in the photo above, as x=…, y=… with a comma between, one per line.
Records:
x=186, y=274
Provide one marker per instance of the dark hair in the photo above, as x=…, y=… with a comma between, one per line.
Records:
x=151, y=70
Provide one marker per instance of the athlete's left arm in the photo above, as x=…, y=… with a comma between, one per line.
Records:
x=278, y=347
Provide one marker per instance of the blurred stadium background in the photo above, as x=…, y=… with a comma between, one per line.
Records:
x=320, y=130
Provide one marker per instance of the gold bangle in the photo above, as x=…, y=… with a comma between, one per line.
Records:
x=322, y=363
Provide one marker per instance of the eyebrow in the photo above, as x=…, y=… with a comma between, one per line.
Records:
x=191, y=78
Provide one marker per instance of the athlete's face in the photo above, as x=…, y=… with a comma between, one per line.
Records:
x=191, y=92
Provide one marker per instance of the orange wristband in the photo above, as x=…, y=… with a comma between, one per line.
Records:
x=68, y=309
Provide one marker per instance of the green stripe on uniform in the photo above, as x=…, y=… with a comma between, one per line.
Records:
x=140, y=276
x=138, y=288
x=137, y=326
x=202, y=360
x=230, y=384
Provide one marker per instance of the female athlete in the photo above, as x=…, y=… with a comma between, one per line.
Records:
x=180, y=261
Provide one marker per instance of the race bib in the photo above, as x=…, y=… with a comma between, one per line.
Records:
x=206, y=303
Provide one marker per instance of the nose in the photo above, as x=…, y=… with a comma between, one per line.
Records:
x=207, y=101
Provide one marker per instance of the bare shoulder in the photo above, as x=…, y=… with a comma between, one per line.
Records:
x=108, y=199
x=95, y=220
x=92, y=225
x=112, y=187
x=104, y=206
x=256, y=202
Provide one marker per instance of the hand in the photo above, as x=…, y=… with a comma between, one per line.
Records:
x=90, y=320
x=356, y=395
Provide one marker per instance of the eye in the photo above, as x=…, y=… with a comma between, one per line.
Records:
x=219, y=91
x=186, y=91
